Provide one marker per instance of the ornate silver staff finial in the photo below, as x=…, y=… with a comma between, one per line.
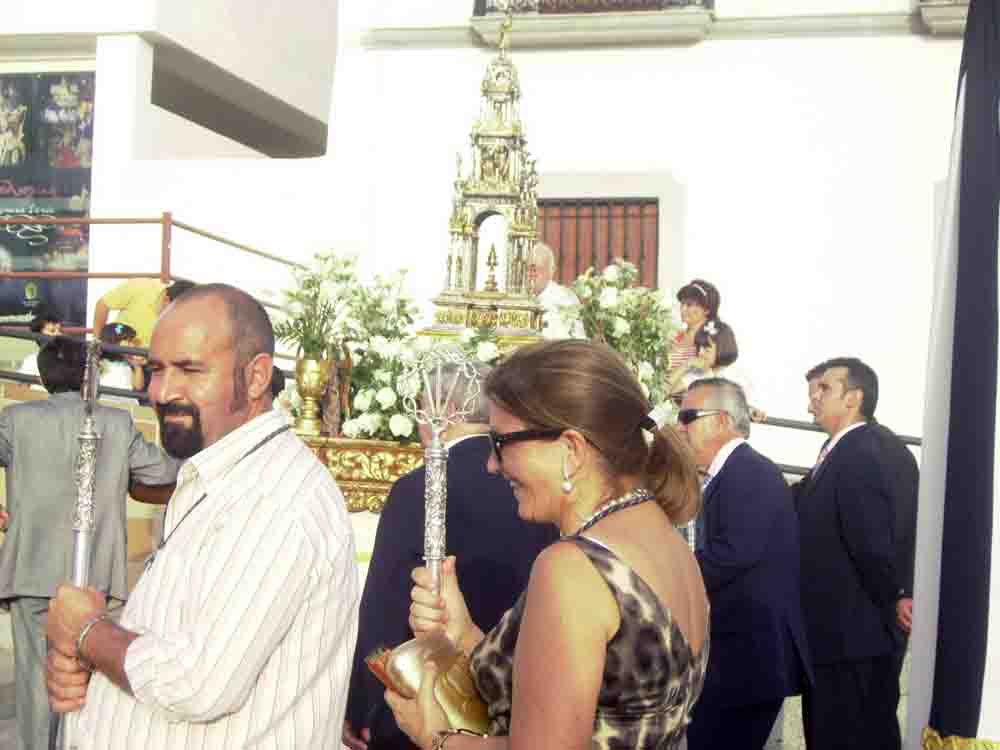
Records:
x=86, y=473
x=440, y=387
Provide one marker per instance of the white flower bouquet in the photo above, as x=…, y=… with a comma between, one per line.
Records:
x=377, y=405
x=633, y=320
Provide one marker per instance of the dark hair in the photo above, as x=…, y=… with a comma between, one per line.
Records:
x=178, y=288
x=861, y=377
x=726, y=350
x=43, y=316
x=816, y=372
x=61, y=363
x=248, y=321
x=249, y=327
x=581, y=385
x=115, y=334
x=277, y=382
x=703, y=293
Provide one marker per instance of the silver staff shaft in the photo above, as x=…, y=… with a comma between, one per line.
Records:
x=435, y=503
x=83, y=520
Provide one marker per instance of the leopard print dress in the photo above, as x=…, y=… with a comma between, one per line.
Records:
x=651, y=676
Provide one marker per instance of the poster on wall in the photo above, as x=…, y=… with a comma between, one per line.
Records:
x=46, y=149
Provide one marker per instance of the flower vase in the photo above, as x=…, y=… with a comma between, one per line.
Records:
x=312, y=376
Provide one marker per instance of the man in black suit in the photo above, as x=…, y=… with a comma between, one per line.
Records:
x=847, y=525
x=494, y=551
x=748, y=549
x=904, y=480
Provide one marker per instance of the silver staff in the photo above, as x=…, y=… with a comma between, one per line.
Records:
x=83, y=520
x=440, y=388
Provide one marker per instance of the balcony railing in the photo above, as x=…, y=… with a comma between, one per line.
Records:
x=486, y=7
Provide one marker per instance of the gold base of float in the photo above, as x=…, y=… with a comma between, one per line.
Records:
x=517, y=321
x=365, y=470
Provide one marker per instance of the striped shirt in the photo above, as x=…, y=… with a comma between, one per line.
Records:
x=248, y=614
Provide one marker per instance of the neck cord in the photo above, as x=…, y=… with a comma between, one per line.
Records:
x=634, y=497
x=254, y=449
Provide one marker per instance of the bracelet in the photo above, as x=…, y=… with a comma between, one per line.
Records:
x=441, y=737
x=84, y=632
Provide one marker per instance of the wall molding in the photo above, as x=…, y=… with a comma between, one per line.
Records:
x=843, y=24
x=685, y=25
x=944, y=17
x=674, y=26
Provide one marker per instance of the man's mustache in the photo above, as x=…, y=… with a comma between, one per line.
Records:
x=175, y=409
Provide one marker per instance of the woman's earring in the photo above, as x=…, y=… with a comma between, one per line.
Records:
x=567, y=486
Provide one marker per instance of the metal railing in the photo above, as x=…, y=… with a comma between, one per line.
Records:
x=167, y=225
x=795, y=424
x=41, y=339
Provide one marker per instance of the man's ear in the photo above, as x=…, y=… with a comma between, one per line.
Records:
x=259, y=371
x=853, y=399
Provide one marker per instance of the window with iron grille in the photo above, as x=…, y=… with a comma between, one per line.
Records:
x=594, y=231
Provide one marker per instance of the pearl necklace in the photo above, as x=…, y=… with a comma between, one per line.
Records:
x=634, y=497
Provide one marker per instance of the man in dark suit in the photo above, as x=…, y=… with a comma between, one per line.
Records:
x=847, y=525
x=748, y=549
x=494, y=551
x=904, y=481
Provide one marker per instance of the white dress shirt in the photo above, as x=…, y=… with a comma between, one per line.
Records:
x=554, y=297
x=722, y=456
x=248, y=614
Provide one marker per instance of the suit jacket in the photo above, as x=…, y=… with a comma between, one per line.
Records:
x=904, y=481
x=494, y=549
x=846, y=524
x=39, y=449
x=750, y=563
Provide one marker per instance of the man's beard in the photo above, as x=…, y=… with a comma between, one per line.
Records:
x=180, y=441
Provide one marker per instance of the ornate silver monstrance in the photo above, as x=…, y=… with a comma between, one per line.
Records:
x=83, y=520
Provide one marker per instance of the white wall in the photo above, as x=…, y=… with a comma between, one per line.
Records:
x=805, y=166
x=801, y=170
x=284, y=49
x=73, y=17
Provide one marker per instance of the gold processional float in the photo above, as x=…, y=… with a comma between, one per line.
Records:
x=502, y=181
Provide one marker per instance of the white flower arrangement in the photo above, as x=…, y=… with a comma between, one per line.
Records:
x=608, y=298
x=633, y=320
x=386, y=397
x=332, y=312
x=487, y=352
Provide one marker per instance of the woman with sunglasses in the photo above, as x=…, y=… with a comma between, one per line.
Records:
x=608, y=645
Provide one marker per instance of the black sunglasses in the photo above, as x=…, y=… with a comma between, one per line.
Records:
x=687, y=416
x=499, y=440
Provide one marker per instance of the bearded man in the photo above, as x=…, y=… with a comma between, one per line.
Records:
x=241, y=631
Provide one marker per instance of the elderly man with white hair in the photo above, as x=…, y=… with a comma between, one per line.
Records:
x=551, y=295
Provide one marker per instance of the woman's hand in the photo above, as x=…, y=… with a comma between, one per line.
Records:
x=447, y=610
x=422, y=717
x=706, y=359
